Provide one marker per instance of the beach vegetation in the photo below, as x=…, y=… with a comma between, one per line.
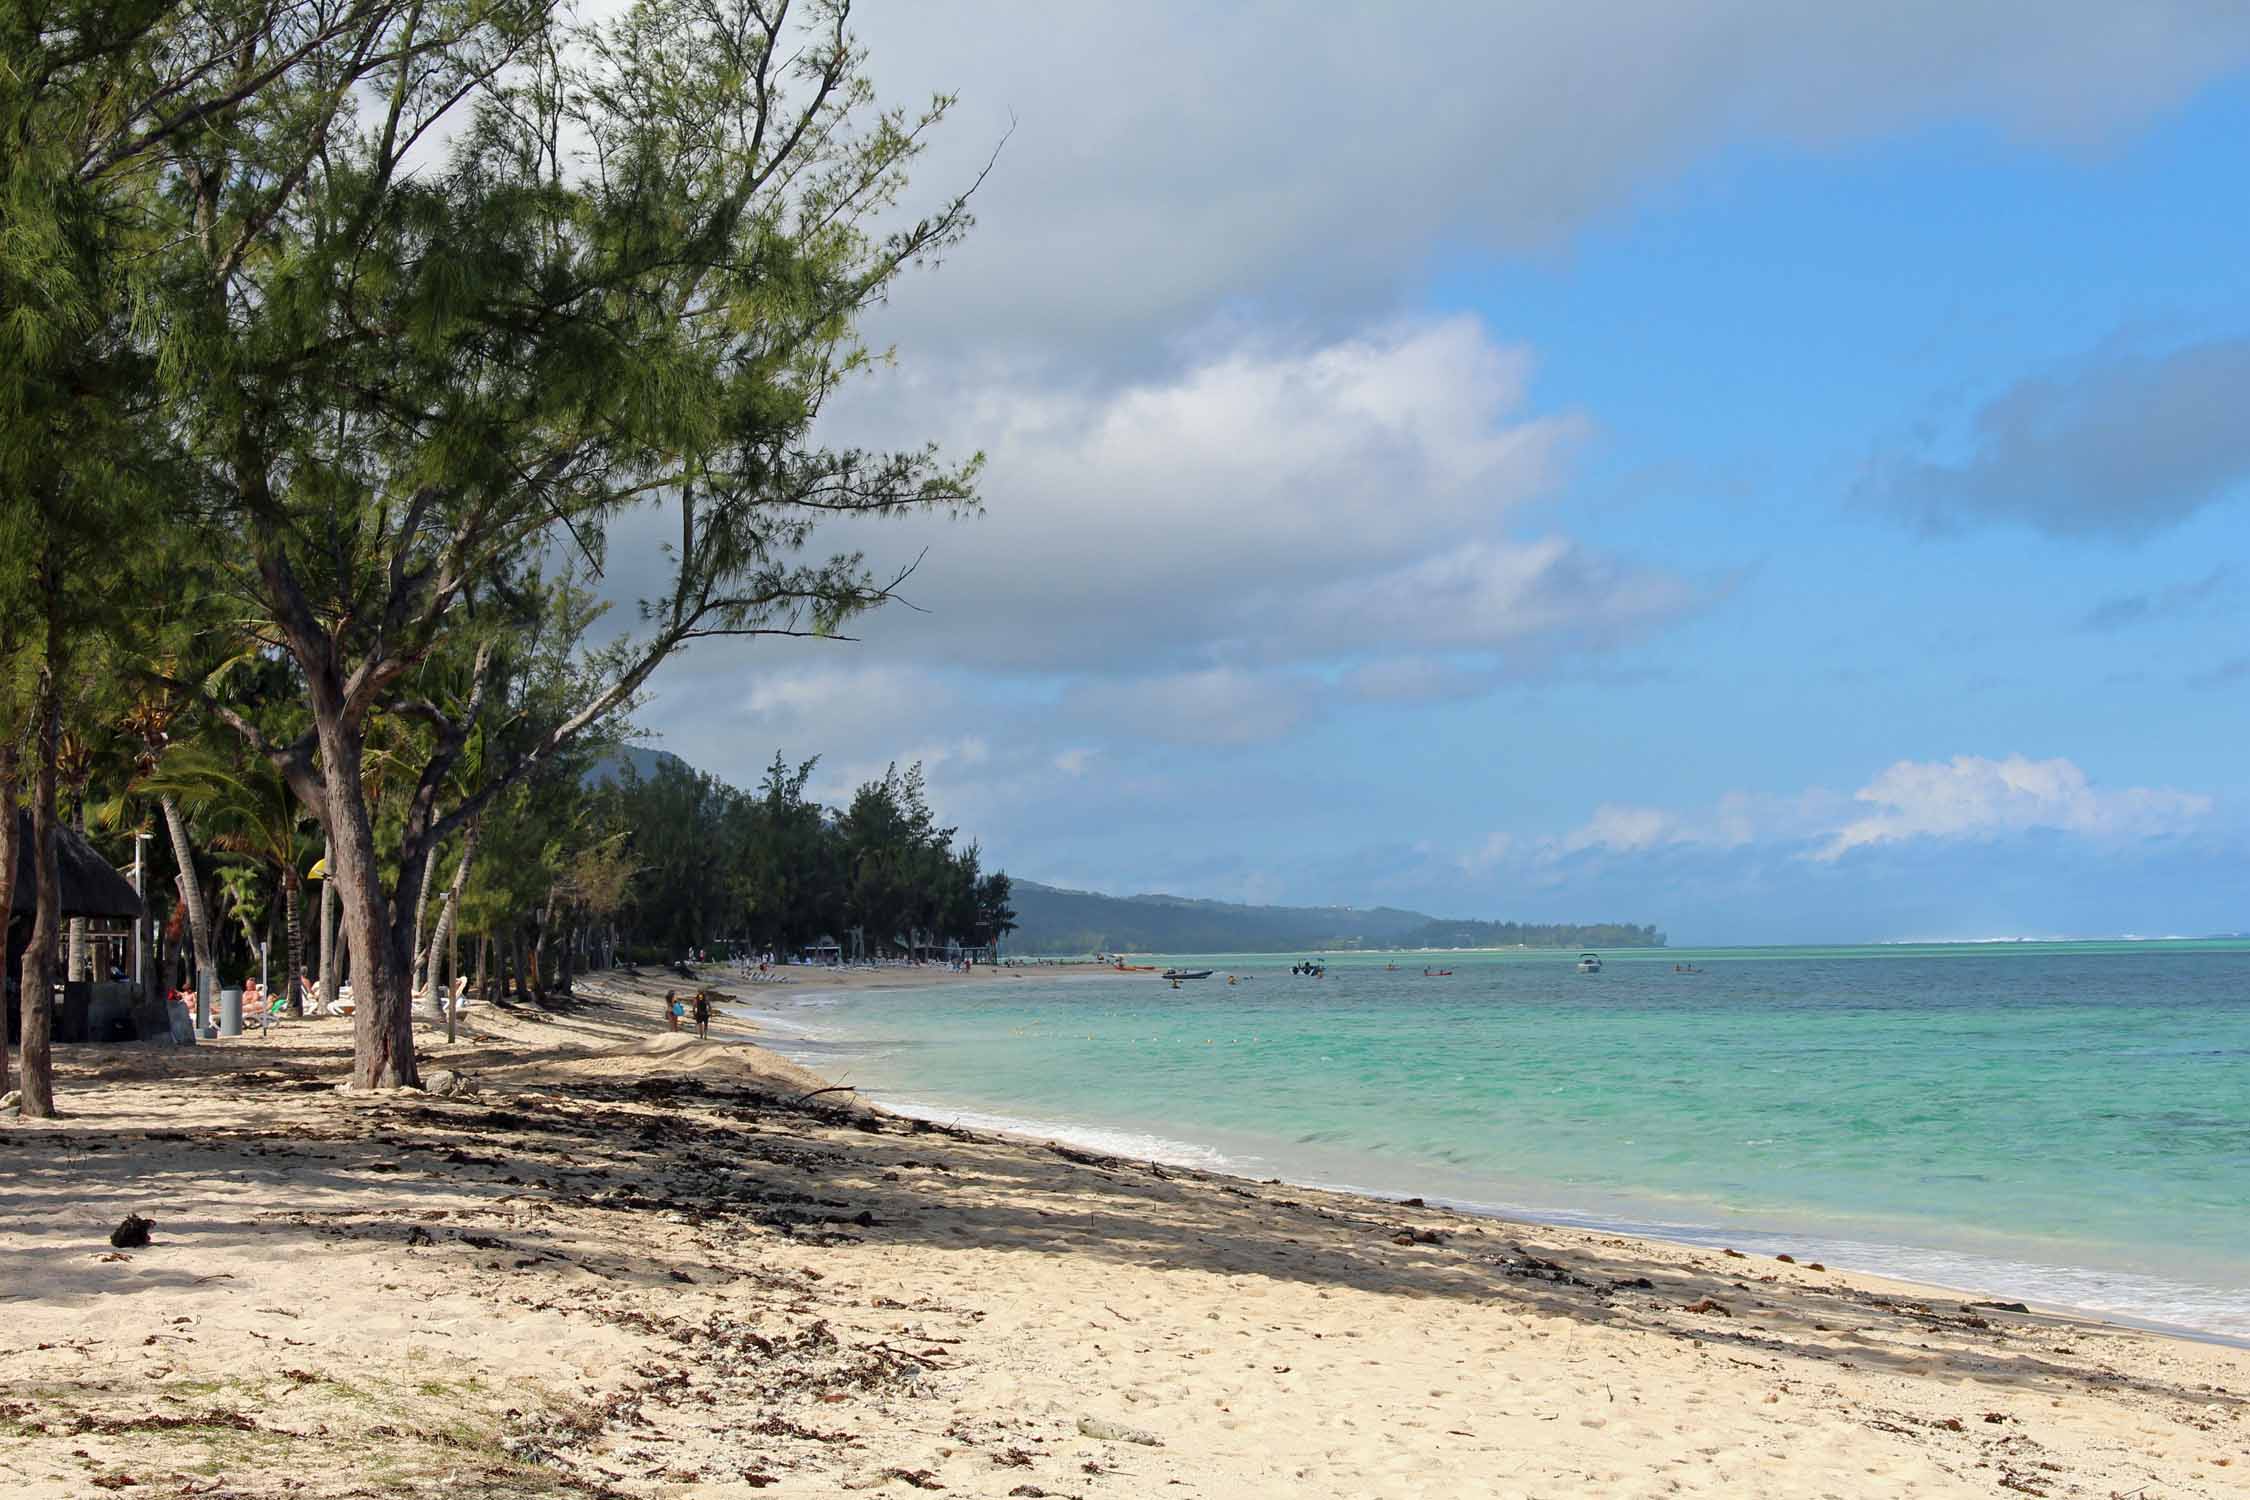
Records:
x=774, y=869
x=350, y=342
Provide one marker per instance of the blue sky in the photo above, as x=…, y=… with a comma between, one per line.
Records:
x=1787, y=484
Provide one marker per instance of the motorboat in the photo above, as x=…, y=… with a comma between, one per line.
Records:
x=1589, y=963
x=1187, y=974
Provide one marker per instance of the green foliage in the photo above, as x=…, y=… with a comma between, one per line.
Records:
x=776, y=869
x=349, y=330
x=1443, y=934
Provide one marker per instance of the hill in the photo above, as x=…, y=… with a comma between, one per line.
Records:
x=1051, y=920
x=646, y=763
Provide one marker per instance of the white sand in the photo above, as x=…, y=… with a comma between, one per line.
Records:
x=608, y=1274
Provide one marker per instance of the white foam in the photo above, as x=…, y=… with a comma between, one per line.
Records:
x=1130, y=1144
x=2220, y=1313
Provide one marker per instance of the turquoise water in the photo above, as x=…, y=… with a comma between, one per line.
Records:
x=2063, y=1122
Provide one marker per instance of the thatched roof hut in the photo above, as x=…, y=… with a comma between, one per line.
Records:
x=91, y=886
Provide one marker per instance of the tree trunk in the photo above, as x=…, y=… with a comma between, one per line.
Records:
x=382, y=1004
x=331, y=972
x=293, y=903
x=450, y=911
x=191, y=891
x=567, y=963
x=421, y=912
x=10, y=835
x=484, y=956
x=515, y=962
x=36, y=992
x=539, y=947
x=452, y=1011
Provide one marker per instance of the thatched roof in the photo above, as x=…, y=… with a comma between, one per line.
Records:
x=91, y=887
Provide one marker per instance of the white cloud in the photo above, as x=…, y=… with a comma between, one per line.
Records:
x=1967, y=797
x=1972, y=796
x=1268, y=508
x=1735, y=820
x=1170, y=162
x=1210, y=706
x=1625, y=830
x=1487, y=593
x=1075, y=760
x=1486, y=856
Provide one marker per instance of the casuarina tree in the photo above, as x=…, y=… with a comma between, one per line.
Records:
x=628, y=280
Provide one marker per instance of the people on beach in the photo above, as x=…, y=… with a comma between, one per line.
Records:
x=703, y=1013
x=672, y=1008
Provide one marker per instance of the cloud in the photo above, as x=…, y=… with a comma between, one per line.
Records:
x=2226, y=674
x=2124, y=445
x=1626, y=830
x=1492, y=852
x=2123, y=610
x=1967, y=797
x=1735, y=820
x=1271, y=507
x=1214, y=706
x=1168, y=164
x=1972, y=796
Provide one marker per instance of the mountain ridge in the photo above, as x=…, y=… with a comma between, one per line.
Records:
x=1056, y=920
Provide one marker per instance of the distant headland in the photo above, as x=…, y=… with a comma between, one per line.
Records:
x=1052, y=920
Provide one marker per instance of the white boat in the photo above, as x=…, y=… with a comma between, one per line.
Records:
x=1589, y=963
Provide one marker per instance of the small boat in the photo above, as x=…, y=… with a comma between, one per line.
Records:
x=1437, y=973
x=1187, y=973
x=1309, y=969
x=1589, y=963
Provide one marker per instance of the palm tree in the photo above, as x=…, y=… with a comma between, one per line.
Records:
x=248, y=809
x=150, y=721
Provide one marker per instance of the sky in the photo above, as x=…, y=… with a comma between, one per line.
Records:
x=1777, y=472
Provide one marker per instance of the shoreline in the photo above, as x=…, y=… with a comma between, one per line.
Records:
x=639, y=1264
x=1204, y=1156
x=1092, y=1138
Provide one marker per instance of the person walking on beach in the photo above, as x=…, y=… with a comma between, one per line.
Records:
x=672, y=1008
x=703, y=1013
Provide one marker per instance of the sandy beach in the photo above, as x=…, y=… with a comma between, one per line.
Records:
x=634, y=1263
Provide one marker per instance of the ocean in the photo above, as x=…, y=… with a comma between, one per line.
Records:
x=2059, y=1122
